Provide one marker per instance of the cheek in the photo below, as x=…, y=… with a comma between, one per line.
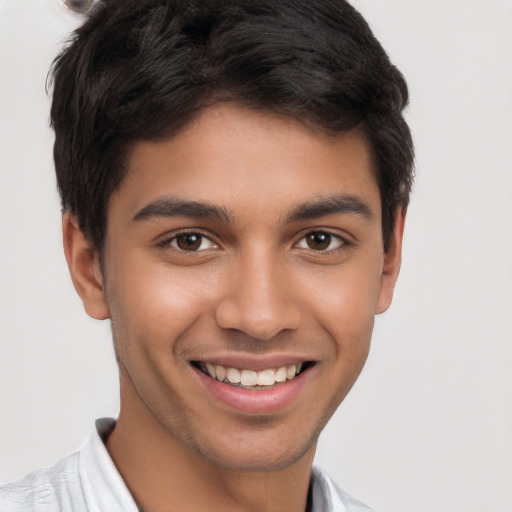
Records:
x=344, y=301
x=347, y=295
x=158, y=302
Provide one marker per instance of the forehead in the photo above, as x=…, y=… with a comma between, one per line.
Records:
x=234, y=157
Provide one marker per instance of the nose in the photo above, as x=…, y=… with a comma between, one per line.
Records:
x=258, y=298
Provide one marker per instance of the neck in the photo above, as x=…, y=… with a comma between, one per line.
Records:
x=163, y=473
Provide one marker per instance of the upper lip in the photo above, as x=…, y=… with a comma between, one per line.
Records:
x=251, y=362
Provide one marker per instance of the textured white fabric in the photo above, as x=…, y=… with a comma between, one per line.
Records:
x=88, y=481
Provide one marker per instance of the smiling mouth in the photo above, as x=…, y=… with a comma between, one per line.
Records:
x=252, y=379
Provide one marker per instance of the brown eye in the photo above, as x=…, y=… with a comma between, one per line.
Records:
x=319, y=240
x=189, y=241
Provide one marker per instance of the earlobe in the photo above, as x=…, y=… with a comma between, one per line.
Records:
x=84, y=267
x=391, y=264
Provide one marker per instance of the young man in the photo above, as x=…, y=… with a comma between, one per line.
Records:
x=234, y=180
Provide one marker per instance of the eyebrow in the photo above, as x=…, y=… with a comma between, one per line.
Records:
x=318, y=207
x=177, y=207
x=329, y=205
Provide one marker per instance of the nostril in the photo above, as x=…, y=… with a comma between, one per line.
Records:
x=258, y=307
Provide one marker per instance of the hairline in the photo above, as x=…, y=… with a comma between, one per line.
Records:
x=315, y=128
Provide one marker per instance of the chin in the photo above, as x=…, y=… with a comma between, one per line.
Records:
x=260, y=462
x=258, y=453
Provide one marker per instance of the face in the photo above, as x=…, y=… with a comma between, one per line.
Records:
x=244, y=265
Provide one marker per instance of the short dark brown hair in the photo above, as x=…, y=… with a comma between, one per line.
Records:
x=142, y=69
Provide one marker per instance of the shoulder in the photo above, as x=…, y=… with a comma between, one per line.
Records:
x=53, y=489
x=329, y=497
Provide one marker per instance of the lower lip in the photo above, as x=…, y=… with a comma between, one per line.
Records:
x=256, y=401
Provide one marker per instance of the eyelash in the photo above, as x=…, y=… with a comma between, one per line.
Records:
x=168, y=242
x=343, y=243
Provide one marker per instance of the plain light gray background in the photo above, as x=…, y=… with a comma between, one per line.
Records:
x=428, y=427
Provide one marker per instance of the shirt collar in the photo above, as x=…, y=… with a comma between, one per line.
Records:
x=103, y=486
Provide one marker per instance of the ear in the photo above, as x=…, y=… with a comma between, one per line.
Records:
x=391, y=264
x=84, y=267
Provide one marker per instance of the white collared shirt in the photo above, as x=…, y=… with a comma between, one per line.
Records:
x=88, y=481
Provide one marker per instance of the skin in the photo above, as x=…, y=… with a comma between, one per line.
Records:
x=256, y=290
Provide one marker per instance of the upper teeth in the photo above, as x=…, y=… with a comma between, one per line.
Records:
x=267, y=377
